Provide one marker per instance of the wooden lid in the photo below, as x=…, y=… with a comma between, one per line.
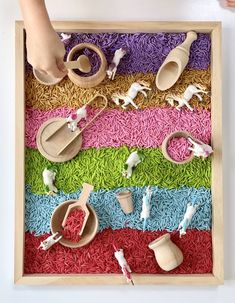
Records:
x=52, y=138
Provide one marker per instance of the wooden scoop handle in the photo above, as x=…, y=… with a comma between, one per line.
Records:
x=86, y=190
x=72, y=64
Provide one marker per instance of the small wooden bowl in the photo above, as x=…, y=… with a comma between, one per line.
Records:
x=165, y=143
x=89, y=231
x=45, y=79
x=95, y=79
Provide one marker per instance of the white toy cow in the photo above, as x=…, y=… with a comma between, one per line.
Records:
x=112, y=69
x=133, y=160
x=51, y=240
x=186, y=97
x=49, y=179
x=190, y=211
x=128, y=98
x=200, y=149
x=75, y=118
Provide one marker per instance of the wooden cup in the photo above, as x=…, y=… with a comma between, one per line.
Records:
x=167, y=254
x=125, y=200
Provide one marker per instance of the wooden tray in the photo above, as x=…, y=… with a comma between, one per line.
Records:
x=214, y=28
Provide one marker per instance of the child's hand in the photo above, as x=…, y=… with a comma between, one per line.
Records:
x=45, y=52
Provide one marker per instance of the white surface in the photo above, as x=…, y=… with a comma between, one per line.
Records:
x=108, y=10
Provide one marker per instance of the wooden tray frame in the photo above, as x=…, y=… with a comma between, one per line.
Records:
x=217, y=276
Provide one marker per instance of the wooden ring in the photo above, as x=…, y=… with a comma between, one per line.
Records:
x=95, y=79
x=165, y=144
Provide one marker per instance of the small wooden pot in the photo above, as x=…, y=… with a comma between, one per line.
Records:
x=125, y=200
x=165, y=143
x=167, y=254
x=95, y=79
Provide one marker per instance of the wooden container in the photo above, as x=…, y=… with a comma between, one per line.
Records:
x=217, y=275
x=90, y=81
x=125, y=200
x=167, y=254
x=89, y=231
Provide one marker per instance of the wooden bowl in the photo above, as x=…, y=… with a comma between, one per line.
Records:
x=165, y=143
x=89, y=231
x=45, y=79
x=93, y=80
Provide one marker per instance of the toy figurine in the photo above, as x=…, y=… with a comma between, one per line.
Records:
x=200, y=149
x=119, y=255
x=133, y=160
x=146, y=206
x=187, y=95
x=135, y=87
x=51, y=240
x=112, y=69
x=190, y=211
x=74, y=119
x=49, y=174
x=65, y=37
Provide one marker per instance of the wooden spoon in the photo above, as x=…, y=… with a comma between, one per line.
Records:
x=82, y=63
x=81, y=203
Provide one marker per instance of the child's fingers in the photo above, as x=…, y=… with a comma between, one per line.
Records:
x=61, y=66
x=55, y=71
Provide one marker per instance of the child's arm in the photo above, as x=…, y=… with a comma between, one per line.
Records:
x=45, y=51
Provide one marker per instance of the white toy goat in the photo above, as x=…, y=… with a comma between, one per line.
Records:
x=128, y=98
x=112, y=69
x=119, y=255
x=187, y=95
x=74, y=119
x=49, y=179
x=51, y=240
x=133, y=160
x=200, y=149
x=145, y=213
x=190, y=211
x=65, y=37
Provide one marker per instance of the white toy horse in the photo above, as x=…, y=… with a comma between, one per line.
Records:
x=51, y=240
x=187, y=95
x=74, y=119
x=200, y=149
x=118, y=55
x=119, y=255
x=128, y=98
x=190, y=211
x=49, y=179
x=133, y=160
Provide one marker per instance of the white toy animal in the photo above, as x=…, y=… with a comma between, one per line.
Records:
x=145, y=213
x=200, y=149
x=187, y=96
x=128, y=98
x=119, y=255
x=74, y=119
x=51, y=240
x=112, y=69
x=190, y=211
x=65, y=37
x=49, y=179
x=133, y=160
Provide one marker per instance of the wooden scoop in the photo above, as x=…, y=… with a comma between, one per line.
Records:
x=82, y=63
x=81, y=203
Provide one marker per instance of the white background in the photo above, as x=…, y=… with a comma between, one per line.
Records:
x=114, y=10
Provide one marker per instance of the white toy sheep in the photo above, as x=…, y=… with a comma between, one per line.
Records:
x=133, y=160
